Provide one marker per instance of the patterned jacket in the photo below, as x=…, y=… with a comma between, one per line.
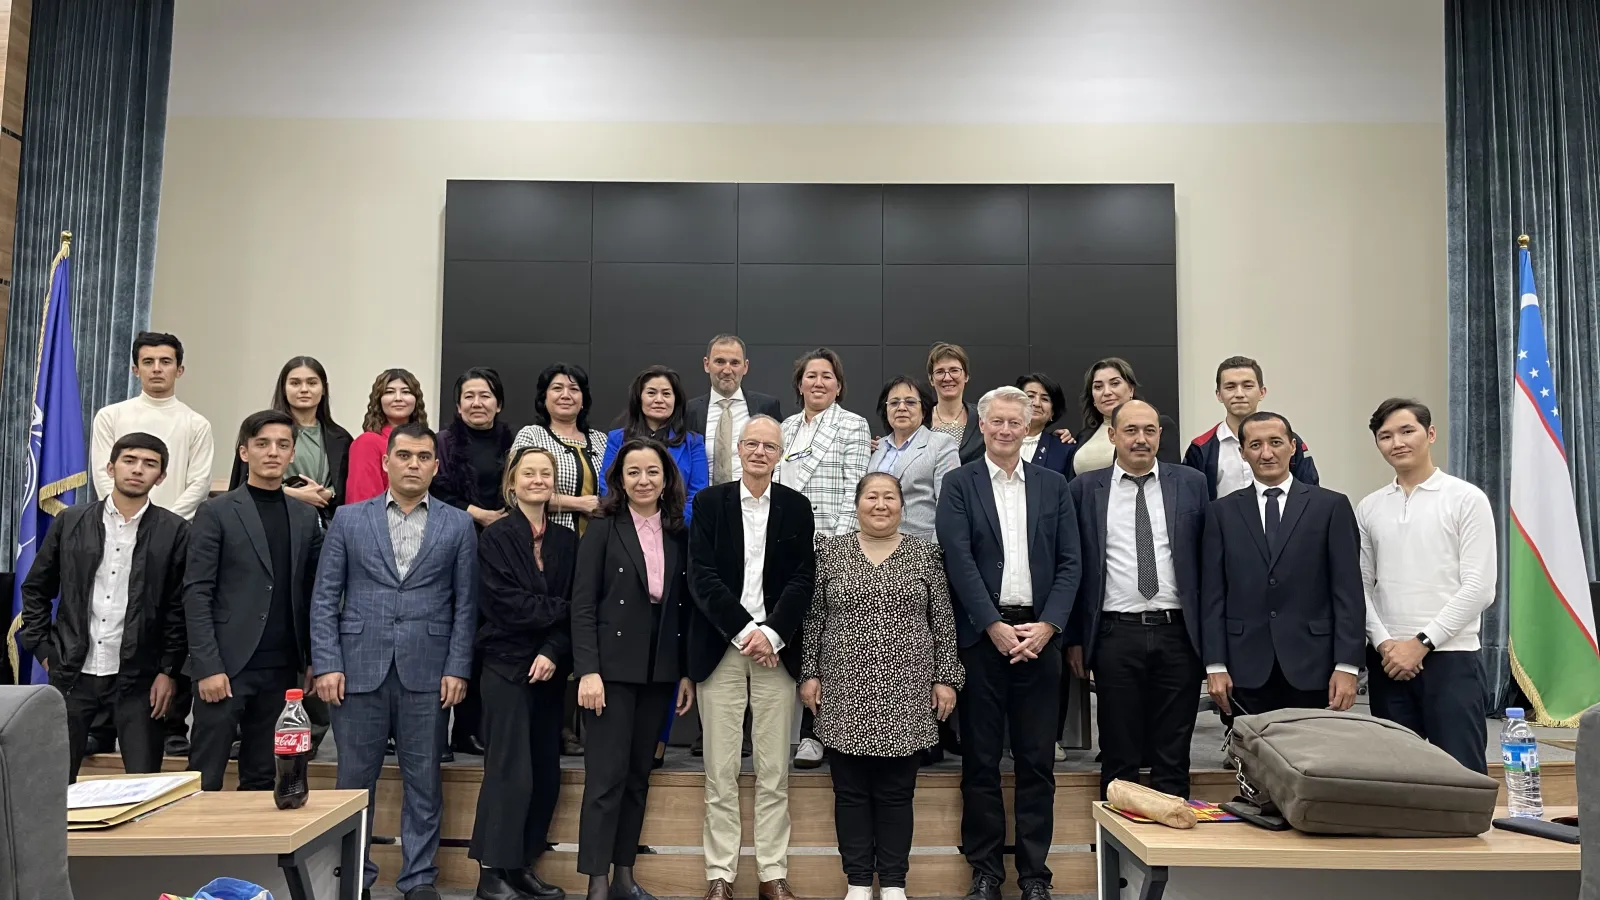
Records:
x=827, y=469
x=568, y=477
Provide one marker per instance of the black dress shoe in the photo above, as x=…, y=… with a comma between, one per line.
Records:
x=447, y=756
x=388, y=747
x=423, y=892
x=634, y=893
x=1036, y=889
x=175, y=745
x=468, y=744
x=528, y=882
x=493, y=885
x=984, y=887
x=95, y=745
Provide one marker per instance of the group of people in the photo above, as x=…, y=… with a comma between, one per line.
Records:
x=940, y=583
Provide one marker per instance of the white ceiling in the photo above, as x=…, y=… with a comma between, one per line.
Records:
x=813, y=60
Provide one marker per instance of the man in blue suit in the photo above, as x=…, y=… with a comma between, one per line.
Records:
x=1136, y=623
x=1010, y=541
x=396, y=654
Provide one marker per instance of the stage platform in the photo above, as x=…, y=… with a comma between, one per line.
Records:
x=673, y=822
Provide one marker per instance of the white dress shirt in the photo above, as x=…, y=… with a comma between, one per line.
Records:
x=1427, y=561
x=1283, y=506
x=108, y=605
x=1030, y=446
x=1122, y=546
x=799, y=449
x=756, y=511
x=1233, y=473
x=740, y=410
x=1011, y=505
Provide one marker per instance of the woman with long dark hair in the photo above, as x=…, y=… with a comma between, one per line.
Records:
x=321, y=447
x=561, y=406
x=395, y=399
x=1107, y=384
x=633, y=576
x=525, y=569
x=656, y=409
x=473, y=448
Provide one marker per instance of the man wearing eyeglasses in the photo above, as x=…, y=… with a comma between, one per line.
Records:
x=751, y=564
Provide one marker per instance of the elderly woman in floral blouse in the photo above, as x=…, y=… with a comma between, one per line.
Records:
x=880, y=671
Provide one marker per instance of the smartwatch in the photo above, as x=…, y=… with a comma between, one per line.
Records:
x=1422, y=638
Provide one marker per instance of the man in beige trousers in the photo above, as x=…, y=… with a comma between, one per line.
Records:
x=751, y=564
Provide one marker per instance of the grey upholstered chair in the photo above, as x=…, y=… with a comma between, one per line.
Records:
x=1589, y=800
x=33, y=794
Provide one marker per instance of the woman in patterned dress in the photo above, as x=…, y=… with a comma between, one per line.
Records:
x=879, y=672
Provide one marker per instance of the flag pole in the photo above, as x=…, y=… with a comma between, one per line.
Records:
x=1522, y=241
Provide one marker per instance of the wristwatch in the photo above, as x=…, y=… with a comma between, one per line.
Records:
x=1424, y=640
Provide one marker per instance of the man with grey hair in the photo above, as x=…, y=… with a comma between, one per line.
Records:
x=751, y=565
x=1010, y=539
x=721, y=415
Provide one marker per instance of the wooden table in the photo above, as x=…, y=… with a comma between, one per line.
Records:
x=245, y=823
x=1240, y=845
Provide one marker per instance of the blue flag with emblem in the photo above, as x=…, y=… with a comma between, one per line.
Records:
x=58, y=472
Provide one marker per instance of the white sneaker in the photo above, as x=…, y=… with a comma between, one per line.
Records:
x=809, y=756
x=863, y=893
x=892, y=893
x=1061, y=753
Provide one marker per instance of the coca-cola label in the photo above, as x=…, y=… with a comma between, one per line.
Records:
x=288, y=743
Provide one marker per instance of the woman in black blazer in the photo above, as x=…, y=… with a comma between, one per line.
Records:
x=322, y=448
x=525, y=569
x=630, y=606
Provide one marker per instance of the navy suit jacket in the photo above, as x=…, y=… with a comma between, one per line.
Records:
x=1183, y=498
x=1054, y=454
x=968, y=526
x=423, y=624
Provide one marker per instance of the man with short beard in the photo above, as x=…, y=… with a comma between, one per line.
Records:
x=117, y=638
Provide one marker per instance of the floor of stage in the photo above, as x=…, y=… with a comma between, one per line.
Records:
x=1206, y=751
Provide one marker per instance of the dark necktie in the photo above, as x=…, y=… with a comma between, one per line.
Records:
x=1274, y=516
x=1144, y=538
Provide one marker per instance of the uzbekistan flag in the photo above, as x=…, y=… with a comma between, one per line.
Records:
x=1553, y=651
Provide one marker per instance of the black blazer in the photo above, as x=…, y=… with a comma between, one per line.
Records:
x=228, y=581
x=758, y=403
x=1300, y=603
x=525, y=611
x=716, y=552
x=971, y=448
x=336, y=443
x=969, y=533
x=611, y=616
x=68, y=560
x=1184, y=501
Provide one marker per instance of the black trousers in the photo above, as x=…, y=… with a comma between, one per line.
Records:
x=469, y=712
x=872, y=815
x=619, y=749
x=1148, y=680
x=251, y=713
x=129, y=710
x=1444, y=703
x=521, y=768
x=177, y=721
x=1023, y=698
x=1277, y=693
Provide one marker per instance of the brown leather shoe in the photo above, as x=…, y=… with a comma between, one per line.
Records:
x=777, y=889
x=719, y=890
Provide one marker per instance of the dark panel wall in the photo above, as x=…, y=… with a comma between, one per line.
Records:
x=618, y=276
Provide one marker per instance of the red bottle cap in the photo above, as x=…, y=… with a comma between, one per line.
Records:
x=294, y=695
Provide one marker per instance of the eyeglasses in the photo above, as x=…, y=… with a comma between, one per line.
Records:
x=906, y=402
x=952, y=372
x=753, y=446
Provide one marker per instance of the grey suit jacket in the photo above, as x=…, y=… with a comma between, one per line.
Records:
x=921, y=468
x=228, y=581
x=422, y=624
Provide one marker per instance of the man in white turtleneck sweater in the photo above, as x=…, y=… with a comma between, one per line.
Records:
x=158, y=361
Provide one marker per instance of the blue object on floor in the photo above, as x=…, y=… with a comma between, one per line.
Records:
x=233, y=889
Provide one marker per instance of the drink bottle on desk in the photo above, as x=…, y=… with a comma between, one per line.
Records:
x=292, y=745
x=1519, y=755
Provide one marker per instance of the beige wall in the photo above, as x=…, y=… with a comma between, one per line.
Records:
x=1318, y=249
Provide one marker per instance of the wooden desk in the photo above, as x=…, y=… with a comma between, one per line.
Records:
x=245, y=823
x=1239, y=845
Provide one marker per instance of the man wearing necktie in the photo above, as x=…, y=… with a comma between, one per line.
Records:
x=1283, y=617
x=1136, y=622
x=721, y=414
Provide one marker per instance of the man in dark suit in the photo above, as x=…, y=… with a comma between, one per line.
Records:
x=392, y=623
x=751, y=565
x=1010, y=540
x=247, y=594
x=1136, y=622
x=721, y=414
x=1283, y=617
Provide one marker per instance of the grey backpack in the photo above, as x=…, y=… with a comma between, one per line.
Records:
x=1332, y=772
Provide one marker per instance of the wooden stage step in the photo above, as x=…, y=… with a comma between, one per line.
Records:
x=674, y=817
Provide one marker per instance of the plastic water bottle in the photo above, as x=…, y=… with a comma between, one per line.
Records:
x=1519, y=754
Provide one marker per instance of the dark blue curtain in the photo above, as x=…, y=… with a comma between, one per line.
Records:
x=1523, y=123
x=92, y=135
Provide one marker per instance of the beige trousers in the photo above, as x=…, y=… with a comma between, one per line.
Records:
x=770, y=694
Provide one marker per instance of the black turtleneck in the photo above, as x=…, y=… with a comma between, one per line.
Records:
x=485, y=462
x=277, y=648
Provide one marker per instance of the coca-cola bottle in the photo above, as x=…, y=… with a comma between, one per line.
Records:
x=292, y=744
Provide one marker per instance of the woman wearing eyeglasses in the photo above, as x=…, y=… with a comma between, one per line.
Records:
x=918, y=457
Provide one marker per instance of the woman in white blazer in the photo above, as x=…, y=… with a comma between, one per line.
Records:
x=825, y=447
x=918, y=457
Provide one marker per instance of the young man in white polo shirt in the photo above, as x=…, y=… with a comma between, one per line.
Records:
x=1428, y=569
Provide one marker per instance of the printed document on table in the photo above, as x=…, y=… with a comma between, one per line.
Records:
x=121, y=791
